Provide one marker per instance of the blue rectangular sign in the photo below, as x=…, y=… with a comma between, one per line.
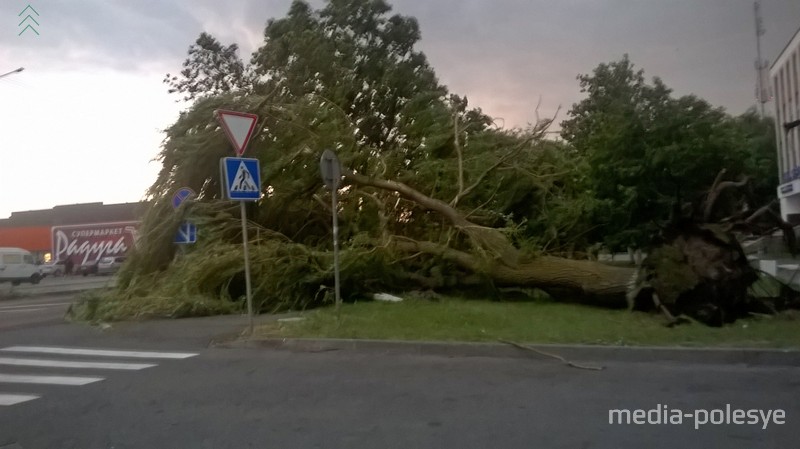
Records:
x=187, y=233
x=242, y=178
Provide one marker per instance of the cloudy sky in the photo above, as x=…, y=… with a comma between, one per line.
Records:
x=83, y=121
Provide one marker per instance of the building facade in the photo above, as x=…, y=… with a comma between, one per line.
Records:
x=786, y=90
x=81, y=233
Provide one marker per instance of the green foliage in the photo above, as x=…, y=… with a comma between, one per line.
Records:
x=210, y=69
x=352, y=53
x=347, y=77
x=648, y=151
x=760, y=154
x=207, y=278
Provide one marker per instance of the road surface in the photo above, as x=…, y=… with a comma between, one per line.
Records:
x=159, y=385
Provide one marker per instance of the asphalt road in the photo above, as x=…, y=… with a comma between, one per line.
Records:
x=259, y=398
x=38, y=311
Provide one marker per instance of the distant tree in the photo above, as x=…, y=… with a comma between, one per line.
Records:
x=761, y=163
x=648, y=152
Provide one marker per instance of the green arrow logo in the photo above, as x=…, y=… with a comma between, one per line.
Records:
x=27, y=20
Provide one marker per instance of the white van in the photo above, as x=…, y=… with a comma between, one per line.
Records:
x=16, y=266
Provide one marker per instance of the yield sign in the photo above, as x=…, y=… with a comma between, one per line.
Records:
x=239, y=127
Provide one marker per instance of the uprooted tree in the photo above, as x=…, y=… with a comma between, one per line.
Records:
x=434, y=195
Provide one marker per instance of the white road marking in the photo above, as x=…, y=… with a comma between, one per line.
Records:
x=11, y=399
x=48, y=380
x=26, y=306
x=69, y=364
x=100, y=352
x=20, y=311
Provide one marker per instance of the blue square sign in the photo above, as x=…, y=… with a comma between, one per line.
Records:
x=243, y=178
x=187, y=233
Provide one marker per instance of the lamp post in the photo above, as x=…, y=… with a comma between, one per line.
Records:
x=13, y=71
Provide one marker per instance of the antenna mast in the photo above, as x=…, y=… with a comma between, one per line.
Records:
x=762, y=94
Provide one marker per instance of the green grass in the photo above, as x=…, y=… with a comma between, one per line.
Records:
x=532, y=322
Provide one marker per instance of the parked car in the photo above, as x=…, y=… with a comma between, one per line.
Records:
x=16, y=266
x=52, y=269
x=109, y=265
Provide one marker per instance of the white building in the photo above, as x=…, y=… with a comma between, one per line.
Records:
x=786, y=88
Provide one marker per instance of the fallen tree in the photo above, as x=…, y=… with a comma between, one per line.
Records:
x=494, y=255
x=694, y=268
x=436, y=195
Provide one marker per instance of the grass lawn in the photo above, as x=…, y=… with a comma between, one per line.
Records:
x=531, y=322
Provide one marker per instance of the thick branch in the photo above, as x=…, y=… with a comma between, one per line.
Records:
x=786, y=227
x=412, y=194
x=490, y=240
x=759, y=212
x=716, y=190
x=718, y=179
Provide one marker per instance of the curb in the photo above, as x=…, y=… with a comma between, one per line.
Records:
x=597, y=354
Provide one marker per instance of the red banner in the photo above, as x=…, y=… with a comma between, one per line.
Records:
x=86, y=244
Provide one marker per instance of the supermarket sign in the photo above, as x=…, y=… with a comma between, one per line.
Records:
x=87, y=244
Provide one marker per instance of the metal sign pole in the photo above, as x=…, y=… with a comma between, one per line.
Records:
x=331, y=176
x=239, y=127
x=247, y=267
x=335, y=248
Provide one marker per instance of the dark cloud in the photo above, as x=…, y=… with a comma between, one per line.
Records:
x=502, y=54
x=127, y=35
x=122, y=35
x=510, y=52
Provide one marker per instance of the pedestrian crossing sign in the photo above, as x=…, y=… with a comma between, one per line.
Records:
x=243, y=178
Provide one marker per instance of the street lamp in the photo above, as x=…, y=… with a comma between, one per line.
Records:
x=13, y=71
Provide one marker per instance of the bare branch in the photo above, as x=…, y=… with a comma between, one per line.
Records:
x=414, y=195
x=482, y=176
x=465, y=260
x=464, y=192
x=759, y=212
x=716, y=190
x=482, y=205
x=536, y=110
x=492, y=242
x=543, y=125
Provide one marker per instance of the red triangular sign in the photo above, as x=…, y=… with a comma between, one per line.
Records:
x=239, y=127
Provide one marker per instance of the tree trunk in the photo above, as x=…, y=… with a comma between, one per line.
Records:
x=577, y=280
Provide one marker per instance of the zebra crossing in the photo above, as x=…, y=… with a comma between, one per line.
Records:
x=71, y=364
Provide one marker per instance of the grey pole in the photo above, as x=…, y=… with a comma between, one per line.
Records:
x=331, y=177
x=247, y=267
x=335, y=248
